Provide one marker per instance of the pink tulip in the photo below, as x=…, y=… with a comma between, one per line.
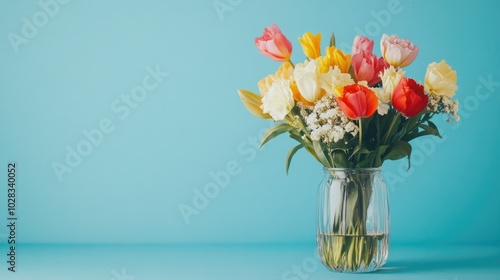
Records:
x=397, y=52
x=362, y=45
x=274, y=44
x=367, y=67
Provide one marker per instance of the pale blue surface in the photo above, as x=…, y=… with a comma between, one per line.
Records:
x=242, y=262
x=128, y=189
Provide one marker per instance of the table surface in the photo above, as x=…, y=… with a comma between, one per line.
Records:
x=240, y=262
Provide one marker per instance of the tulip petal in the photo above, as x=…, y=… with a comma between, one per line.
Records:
x=372, y=103
x=409, y=97
x=346, y=110
x=356, y=101
x=274, y=44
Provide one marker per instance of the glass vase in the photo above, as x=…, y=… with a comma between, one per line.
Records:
x=353, y=220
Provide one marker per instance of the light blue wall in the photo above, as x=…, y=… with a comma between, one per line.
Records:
x=74, y=71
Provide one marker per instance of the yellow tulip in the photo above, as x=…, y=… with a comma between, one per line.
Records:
x=311, y=45
x=323, y=64
x=339, y=58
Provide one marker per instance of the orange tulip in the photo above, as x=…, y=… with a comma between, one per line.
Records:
x=357, y=101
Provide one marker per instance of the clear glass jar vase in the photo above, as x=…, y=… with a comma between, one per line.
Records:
x=353, y=220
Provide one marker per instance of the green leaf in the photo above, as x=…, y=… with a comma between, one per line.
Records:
x=431, y=124
x=399, y=150
x=414, y=135
x=290, y=155
x=321, y=154
x=359, y=149
x=391, y=129
x=411, y=123
x=430, y=130
x=366, y=163
x=295, y=134
x=275, y=131
x=339, y=158
x=378, y=157
x=332, y=40
x=253, y=103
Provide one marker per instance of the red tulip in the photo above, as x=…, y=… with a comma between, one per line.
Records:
x=274, y=44
x=409, y=97
x=357, y=101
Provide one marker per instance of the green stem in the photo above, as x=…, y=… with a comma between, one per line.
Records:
x=360, y=132
x=420, y=121
x=360, y=138
x=396, y=117
x=300, y=123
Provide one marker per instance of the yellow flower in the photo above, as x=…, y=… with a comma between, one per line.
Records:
x=284, y=72
x=323, y=64
x=339, y=58
x=441, y=80
x=279, y=100
x=333, y=79
x=311, y=44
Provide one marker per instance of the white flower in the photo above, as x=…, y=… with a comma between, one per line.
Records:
x=383, y=108
x=390, y=79
x=338, y=133
x=351, y=128
x=306, y=77
x=454, y=110
x=440, y=80
x=326, y=122
x=443, y=104
x=278, y=100
x=334, y=78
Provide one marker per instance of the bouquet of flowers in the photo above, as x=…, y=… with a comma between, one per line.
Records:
x=350, y=110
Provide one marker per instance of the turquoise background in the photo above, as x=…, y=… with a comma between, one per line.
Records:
x=66, y=78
